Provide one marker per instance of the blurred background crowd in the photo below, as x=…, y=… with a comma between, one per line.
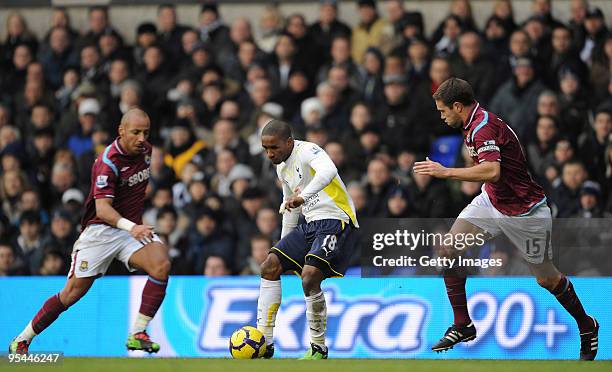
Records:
x=361, y=91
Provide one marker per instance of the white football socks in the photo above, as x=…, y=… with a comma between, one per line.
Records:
x=316, y=313
x=141, y=323
x=267, y=307
x=27, y=334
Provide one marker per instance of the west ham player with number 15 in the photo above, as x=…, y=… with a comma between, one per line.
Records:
x=511, y=203
x=112, y=228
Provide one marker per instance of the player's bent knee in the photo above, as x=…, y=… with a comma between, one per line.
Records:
x=271, y=268
x=311, y=280
x=162, y=269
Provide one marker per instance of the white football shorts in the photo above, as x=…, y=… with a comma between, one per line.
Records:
x=531, y=234
x=98, y=245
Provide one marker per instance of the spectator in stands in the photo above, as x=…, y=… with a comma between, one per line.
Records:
x=377, y=188
x=448, y=43
x=596, y=32
x=372, y=30
x=472, y=66
x=496, y=36
x=372, y=89
x=99, y=23
x=460, y=11
x=260, y=247
x=417, y=64
x=402, y=125
x=335, y=116
x=13, y=183
x=146, y=35
x=336, y=152
x=53, y=263
x=590, y=202
x=540, y=151
x=216, y=266
x=40, y=152
x=601, y=73
x=406, y=24
x=60, y=18
x=239, y=32
x=63, y=177
x=565, y=195
x=62, y=233
x=17, y=33
x=7, y=260
x=543, y=10
x=58, y=57
x=429, y=196
x=170, y=33
x=81, y=140
x=592, y=145
x=573, y=103
x=17, y=65
x=212, y=28
x=341, y=56
x=282, y=62
x=516, y=100
x=91, y=64
x=267, y=223
x=28, y=244
x=183, y=147
x=563, y=56
x=399, y=204
x=306, y=50
x=328, y=27
x=206, y=238
x=270, y=27
x=578, y=10
x=339, y=79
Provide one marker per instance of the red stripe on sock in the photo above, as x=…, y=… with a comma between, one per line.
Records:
x=455, y=290
x=48, y=313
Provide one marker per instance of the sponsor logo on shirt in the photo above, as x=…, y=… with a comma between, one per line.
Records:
x=488, y=148
x=141, y=176
x=101, y=181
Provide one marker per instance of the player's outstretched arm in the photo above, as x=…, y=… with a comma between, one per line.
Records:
x=487, y=171
x=106, y=212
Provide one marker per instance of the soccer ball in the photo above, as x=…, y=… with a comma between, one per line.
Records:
x=247, y=343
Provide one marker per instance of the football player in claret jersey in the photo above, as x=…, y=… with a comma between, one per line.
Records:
x=112, y=228
x=317, y=249
x=511, y=203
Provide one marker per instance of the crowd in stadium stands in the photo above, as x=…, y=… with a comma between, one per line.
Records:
x=362, y=92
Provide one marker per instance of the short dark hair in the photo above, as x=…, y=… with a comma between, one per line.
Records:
x=454, y=90
x=30, y=216
x=277, y=128
x=101, y=8
x=165, y=6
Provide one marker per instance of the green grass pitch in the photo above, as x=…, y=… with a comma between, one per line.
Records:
x=292, y=365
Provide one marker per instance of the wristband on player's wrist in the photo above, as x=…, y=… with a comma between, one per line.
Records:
x=125, y=224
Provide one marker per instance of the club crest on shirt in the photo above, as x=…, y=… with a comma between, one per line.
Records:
x=147, y=159
x=101, y=181
x=84, y=266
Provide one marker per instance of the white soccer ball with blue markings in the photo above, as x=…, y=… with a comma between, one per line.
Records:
x=247, y=343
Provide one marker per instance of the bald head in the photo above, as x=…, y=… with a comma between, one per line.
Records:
x=134, y=131
x=134, y=114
